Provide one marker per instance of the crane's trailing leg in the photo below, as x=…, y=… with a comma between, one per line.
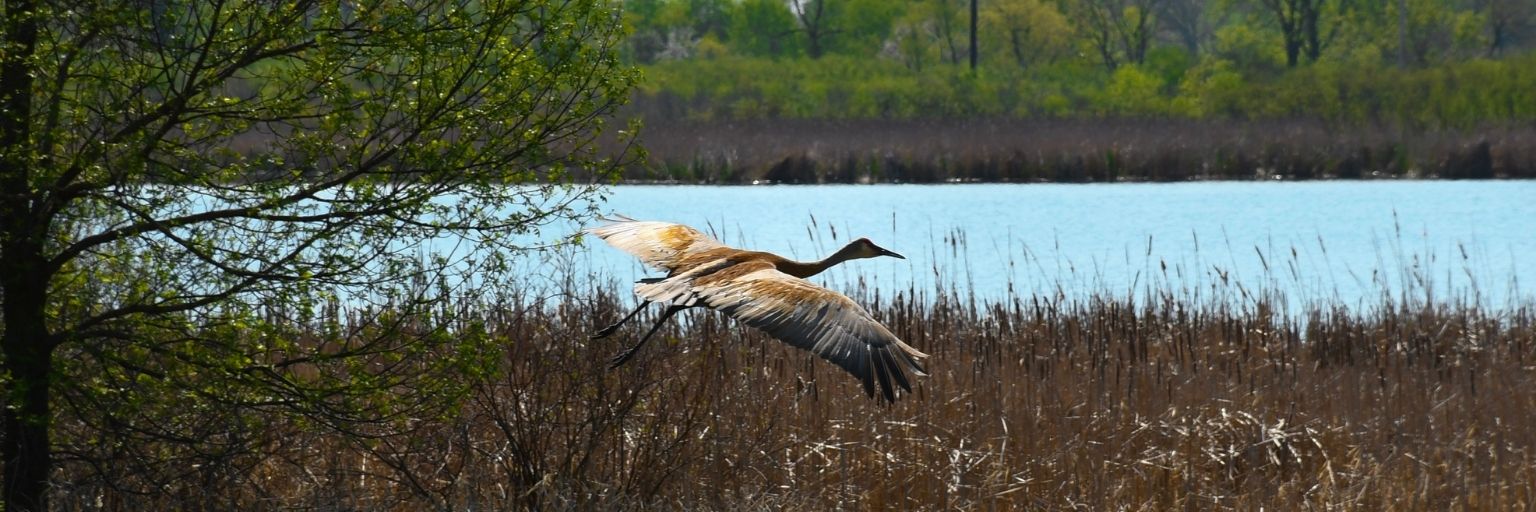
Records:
x=624, y=356
x=604, y=332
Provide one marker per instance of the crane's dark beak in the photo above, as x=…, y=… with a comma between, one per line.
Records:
x=865, y=246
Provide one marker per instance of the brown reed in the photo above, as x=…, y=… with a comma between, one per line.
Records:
x=1107, y=401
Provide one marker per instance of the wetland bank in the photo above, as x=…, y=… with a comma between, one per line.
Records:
x=1138, y=373
x=1194, y=255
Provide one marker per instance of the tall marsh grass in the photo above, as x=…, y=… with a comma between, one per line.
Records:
x=1157, y=398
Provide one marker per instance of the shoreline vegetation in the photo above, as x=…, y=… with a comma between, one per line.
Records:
x=1008, y=150
x=861, y=118
x=1158, y=399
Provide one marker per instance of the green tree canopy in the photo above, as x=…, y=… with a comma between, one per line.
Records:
x=176, y=173
x=763, y=28
x=1024, y=32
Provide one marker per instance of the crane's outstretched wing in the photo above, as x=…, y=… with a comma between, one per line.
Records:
x=662, y=245
x=813, y=318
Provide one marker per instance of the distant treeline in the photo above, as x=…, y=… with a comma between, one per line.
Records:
x=1084, y=150
x=1422, y=63
x=1257, y=35
x=818, y=91
x=1449, y=96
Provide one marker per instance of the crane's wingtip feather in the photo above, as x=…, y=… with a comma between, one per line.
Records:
x=809, y=317
x=917, y=367
x=897, y=374
x=879, y=360
x=865, y=373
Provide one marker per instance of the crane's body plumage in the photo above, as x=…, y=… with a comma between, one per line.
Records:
x=768, y=292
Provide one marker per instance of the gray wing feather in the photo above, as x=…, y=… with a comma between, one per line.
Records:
x=822, y=321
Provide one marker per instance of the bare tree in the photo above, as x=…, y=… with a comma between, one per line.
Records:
x=1119, y=30
x=812, y=15
x=1190, y=21
x=1509, y=23
x=1298, y=22
x=947, y=17
x=1027, y=31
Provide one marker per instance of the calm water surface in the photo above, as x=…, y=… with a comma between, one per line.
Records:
x=1344, y=241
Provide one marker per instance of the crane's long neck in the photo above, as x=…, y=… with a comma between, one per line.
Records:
x=807, y=269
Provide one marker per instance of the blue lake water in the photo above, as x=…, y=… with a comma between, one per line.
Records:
x=1336, y=241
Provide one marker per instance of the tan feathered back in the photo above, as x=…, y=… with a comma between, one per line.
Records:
x=662, y=245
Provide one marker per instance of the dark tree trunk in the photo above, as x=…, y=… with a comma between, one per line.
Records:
x=26, y=343
x=1016, y=39
x=28, y=349
x=1314, y=42
x=1298, y=28
x=813, y=46
x=1102, y=31
x=1402, y=33
x=949, y=42
x=1136, y=36
x=973, y=35
x=811, y=21
x=1497, y=37
x=1186, y=19
x=28, y=360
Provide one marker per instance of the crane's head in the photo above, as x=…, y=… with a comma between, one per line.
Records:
x=863, y=248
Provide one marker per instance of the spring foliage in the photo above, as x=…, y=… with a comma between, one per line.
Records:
x=1436, y=64
x=221, y=214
